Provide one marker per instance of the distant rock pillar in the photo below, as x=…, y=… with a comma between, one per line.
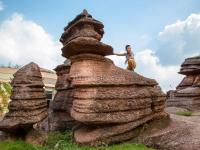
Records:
x=187, y=93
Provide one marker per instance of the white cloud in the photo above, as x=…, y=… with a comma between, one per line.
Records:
x=175, y=43
x=1, y=6
x=144, y=40
x=148, y=64
x=118, y=60
x=23, y=41
x=180, y=40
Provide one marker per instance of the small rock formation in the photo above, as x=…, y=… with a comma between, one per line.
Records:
x=29, y=104
x=108, y=100
x=178, y=133
x=59, y=118
x=82, y=35
x=187, y=93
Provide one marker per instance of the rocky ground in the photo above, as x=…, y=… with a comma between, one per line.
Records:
x=2, y=136
x=194, y=118
x=178, y=133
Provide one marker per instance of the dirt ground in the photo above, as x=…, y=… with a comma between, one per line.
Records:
x=194, y=118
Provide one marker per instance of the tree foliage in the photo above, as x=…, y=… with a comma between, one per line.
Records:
x=5, y=92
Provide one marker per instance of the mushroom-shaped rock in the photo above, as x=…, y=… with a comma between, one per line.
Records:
x=108, y=100
x=187, y=93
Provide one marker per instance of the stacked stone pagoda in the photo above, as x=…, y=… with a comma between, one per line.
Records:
x=108, y=101
x=187, y=93
x=28, y=102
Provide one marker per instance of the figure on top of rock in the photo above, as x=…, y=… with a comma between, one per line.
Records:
x=104, y=114
x=129, y=58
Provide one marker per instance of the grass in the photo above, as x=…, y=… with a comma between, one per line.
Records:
x=57, y=141
x=184, y=113
x=18, y=145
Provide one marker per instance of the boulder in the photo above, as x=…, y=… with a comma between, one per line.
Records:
x=187, y=93
x=83, y=35
x=190, y=66
x=28, y=102
x=108, y=101
x=59, y=118
x=111, y=100
x=173, y=134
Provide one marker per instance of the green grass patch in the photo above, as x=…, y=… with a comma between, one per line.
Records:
x=58, y=141
x=18, y=145
x=184, y=113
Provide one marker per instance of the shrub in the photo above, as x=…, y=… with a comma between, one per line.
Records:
x=184, y=113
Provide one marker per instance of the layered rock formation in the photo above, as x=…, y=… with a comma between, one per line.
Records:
x=29, y=104
x=108, y=100
x=59, y=118
x=187, y=93
x=83, y=35
x=178, y=133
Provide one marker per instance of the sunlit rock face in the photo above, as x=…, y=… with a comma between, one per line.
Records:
x=109, y=101
x=83, y=35
x=29, y=104
x=187, y=93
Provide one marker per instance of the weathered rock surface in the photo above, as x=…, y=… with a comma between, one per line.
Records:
x=111, y=100
x=191, y=66
x=83, y=35
x=108, y=100
x=59, y=118
x=28, y=105
x=178, y=133
x=187, y=93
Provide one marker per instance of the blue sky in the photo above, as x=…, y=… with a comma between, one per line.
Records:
x=141, y=23
x=125, y=21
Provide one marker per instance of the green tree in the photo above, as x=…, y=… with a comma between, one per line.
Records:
x=5, y=92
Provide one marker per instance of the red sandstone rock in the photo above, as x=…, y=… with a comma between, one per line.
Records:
x=105, y=94
x=82, y=26
x=187, y=94
x=63, y=97
x=82, y=35
x=191, y=66
x=86, y=45
x=109, y=100
x=59, y=118
x=28, y=105
x=187, y=82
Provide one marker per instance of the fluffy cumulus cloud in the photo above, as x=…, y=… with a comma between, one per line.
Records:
x=23, y=41
x=175, y=43
x=148, y=64
x=1, y=6
x=179, y=40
